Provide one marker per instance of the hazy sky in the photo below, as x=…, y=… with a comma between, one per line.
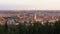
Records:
x=29, y=4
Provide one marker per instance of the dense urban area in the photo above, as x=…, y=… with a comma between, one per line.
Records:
x=30, y=22
x=29, y=16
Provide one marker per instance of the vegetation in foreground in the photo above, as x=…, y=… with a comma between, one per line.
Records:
x=36, y=28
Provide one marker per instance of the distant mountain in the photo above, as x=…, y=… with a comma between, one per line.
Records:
x=29, y=11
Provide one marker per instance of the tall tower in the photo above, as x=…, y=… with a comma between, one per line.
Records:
x=35, y=17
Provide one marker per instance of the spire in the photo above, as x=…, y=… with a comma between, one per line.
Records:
x=35, y=17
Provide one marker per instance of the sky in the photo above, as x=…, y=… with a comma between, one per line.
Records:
x=29, y=4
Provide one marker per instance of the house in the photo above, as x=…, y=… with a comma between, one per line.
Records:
x=10, y=20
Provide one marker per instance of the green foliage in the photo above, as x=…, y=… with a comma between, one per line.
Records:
x=37, y=28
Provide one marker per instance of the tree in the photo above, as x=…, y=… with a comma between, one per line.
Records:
x=57, y=28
